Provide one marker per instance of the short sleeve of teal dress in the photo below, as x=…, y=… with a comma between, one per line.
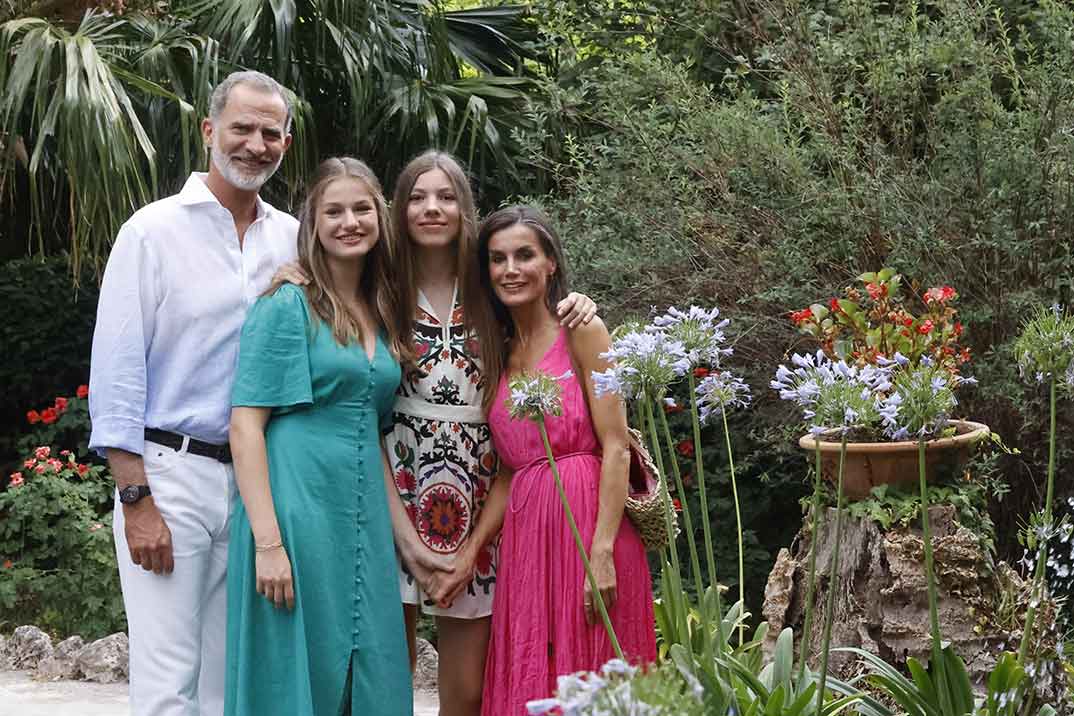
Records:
x=274, y=361
x=343, y=643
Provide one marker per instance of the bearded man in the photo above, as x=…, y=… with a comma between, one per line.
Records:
x=180, y=278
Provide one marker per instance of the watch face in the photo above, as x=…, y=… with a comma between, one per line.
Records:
x=132, y=493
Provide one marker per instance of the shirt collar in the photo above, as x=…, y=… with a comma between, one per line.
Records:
x=195, y=191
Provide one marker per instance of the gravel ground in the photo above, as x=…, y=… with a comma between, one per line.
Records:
x=22, y=696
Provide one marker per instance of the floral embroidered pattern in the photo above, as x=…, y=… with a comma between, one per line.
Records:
x=442, y=468
x=443, y=517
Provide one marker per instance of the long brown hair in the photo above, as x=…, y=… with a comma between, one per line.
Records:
x=377, y=286
x=491, y=320
x=403, y=249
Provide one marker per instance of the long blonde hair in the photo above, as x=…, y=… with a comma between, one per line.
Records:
x=377, y=286
x=403, y=250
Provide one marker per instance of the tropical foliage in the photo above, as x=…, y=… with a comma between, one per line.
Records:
x=101, y=114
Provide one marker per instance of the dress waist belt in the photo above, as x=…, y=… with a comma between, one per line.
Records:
x=433, y=411
x=520, y=489
x=559, y=459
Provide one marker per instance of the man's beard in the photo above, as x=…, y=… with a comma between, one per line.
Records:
x=236, y=176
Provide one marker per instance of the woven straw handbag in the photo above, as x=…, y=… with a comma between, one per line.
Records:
x=645, y=503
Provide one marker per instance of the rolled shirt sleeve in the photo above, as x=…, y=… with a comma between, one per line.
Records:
x=126, y=313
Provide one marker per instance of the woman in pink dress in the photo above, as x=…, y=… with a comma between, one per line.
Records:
x=543, y=619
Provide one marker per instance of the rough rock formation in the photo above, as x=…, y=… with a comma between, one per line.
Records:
x=881, y=602
x=105, y=660
x=28, y=646
x=60, y=665
x=425, y=672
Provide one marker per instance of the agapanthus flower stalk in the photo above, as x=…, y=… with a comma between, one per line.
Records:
x=717, y=392
x=1046, y=348
x=700, y=332
x=643, y=365
x=533, y=396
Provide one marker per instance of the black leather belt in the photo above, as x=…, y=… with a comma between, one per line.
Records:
x=194, y=447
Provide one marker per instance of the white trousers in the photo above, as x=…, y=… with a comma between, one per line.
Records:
x=177, y=623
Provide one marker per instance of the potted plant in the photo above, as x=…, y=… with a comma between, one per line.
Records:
x=875, y=325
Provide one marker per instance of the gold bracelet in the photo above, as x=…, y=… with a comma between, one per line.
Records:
x=267, y=547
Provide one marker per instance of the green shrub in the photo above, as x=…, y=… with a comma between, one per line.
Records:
x=930, y=137
x=56, y=550
x=46, y=333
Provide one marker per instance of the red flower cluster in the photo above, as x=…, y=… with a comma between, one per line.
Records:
x=876, y=291
x=701, y=372
x=800, y=317
x=940, y=294
x=52, y=413
x=685, y=448
x=43, y=462
x=926, y=327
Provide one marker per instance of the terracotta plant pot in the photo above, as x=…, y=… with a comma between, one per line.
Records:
x=892, y=463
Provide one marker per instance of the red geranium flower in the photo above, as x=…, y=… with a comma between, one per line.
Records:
x=686, y=448
x=82, y=391
x=940, y=294
x=82, y=469
x=876, y=290
x=40, y=468
x=925, y=328
x=800, y=317
x=834, y=305
x=701, y=372
x=33, y=417
x=43, y=452
x=48, y=416
x=16, y=479
x=61, y=405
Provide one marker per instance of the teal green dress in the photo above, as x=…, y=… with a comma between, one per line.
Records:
x=344, y=640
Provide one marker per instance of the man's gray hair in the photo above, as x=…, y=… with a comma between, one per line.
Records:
x=250, y=78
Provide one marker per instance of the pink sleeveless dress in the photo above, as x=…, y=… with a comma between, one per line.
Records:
x=539, y=629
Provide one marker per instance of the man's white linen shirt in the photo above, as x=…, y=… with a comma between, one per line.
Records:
x=174, y=297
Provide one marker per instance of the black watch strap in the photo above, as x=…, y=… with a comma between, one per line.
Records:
x=132, y=493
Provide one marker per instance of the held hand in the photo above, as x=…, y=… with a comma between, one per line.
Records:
x=428, y=568
x=602, y=563
x=576, y=309
x=148, y=537
x=289, y=273
x=274, y=578
x=452, y=585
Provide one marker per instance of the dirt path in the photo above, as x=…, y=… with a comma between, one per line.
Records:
x=22, y=696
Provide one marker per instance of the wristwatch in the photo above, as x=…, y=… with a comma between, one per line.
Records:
x=132, y=493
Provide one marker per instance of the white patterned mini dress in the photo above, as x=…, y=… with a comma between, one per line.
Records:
x=441, y=455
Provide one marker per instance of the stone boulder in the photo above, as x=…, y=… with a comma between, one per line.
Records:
x=28, y=646
x=881, y=598
x=61, y=665
x=425, y=671
x=105, y=660
x=5, y=657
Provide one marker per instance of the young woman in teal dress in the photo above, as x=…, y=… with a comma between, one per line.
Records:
x=314, y=621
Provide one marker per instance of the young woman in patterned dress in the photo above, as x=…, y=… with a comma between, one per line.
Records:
x=439, y=446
